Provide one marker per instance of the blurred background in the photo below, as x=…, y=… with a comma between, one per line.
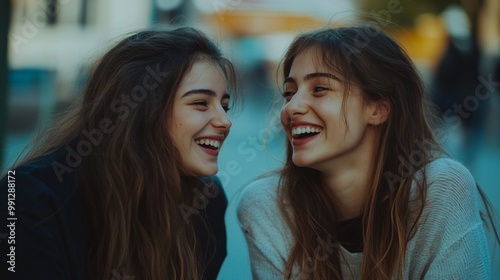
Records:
x=46, y=46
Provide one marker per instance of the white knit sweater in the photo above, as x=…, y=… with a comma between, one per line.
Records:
x=450, y=242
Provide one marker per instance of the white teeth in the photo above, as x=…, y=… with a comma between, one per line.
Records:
x=208, y=142
x=305, y=129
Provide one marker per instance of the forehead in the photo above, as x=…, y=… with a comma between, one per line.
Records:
x=310, y=60
x=203, y=74
x=202, y=71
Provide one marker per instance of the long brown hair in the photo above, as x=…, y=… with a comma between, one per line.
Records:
x=130, y=169
x=370, y=59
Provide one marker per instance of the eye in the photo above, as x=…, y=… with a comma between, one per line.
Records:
x=201, y=103
x=226, y=108
x=287, y=95
x=320, y=88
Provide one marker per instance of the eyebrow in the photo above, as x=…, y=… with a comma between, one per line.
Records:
x=208, y=92
x=312, y=76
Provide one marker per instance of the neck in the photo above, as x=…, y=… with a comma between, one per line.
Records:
x=350, y=191
x=349, y=180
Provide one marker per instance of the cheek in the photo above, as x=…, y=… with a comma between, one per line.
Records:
x=356, y=123
x=178, y=134
x=184, y=144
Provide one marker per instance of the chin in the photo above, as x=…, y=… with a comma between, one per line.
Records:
x=300, y=161
x=211, y=173
x=201, y=168
x=205, y=172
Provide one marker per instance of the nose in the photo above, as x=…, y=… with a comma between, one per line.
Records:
x=296, y=105
x=221, y=120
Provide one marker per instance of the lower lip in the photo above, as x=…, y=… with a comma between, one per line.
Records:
x=210, y=151
x=299, y=142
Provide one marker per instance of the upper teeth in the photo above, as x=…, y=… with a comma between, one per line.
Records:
x=211, y=142
x=305, y=129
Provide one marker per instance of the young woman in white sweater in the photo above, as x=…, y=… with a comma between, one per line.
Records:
x=365, y=192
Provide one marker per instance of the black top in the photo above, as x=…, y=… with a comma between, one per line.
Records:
x=350, y=234
x=49, y=229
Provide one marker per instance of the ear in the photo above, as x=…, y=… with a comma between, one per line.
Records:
x=378, y=111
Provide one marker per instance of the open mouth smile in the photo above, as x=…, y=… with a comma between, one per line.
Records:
x=208, y=143
x=301, y=132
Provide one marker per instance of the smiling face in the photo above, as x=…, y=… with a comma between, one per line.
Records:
x=199, y=121
x=324, y=136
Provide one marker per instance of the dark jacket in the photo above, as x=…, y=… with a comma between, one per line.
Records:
x=49, y=224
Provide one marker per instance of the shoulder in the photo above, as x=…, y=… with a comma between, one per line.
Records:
x=51, y=219
x=258, y=207
x=259, y=197
x=41, y=174
x=449, y=237
x=263, y=223
x=450, y=170
x=451, y=199
x=37, y=190
x=450, y=181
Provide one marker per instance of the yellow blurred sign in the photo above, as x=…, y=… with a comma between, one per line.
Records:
x=259, y=17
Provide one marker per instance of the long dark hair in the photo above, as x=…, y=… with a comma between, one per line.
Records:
x=132, y=172
x=368, y=58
